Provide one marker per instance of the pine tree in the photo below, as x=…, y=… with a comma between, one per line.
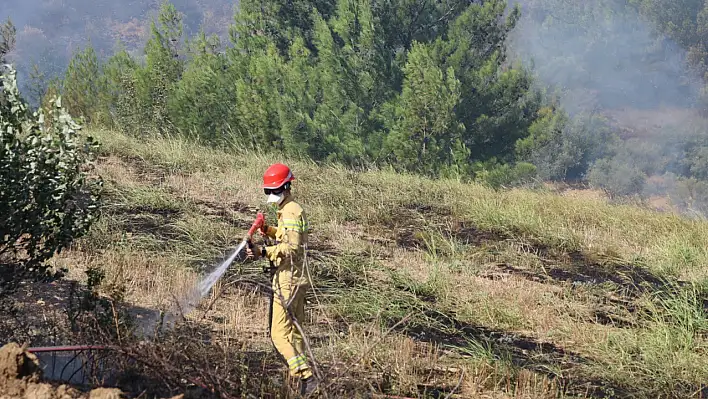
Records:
x=8, y=36
x=164, y=67
x=119, y=97
x=426, y=137
x=338, y=120
x=203, y=100
x=83, y=85
x=498, y=103
x=297, y=103
x=257, y=94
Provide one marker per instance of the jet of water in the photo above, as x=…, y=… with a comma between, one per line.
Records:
x=192, y=298
x=206, y=284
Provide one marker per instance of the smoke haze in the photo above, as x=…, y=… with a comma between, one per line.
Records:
x=49, y=32
x=602, y=55
x=604, y=58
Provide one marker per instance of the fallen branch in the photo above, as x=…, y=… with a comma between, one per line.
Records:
x=462, y=375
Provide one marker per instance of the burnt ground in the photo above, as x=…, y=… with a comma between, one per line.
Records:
x=561, y=365
x=33, y=301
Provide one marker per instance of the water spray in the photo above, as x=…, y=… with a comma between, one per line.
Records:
x=191, y=300
x=57, y=366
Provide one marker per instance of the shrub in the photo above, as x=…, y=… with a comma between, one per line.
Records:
x=562, y=147
x=47, y=195
x=506, y=175
x=617, y=177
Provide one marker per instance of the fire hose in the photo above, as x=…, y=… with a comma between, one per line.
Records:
x=260, y=225
x=69, y=348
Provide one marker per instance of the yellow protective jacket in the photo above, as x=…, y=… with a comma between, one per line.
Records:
x=290, y=236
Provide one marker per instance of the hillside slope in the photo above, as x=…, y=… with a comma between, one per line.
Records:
x=422, y=287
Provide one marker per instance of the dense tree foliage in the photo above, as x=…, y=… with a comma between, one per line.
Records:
x=335, y=82
x=435, y=88
x=7, y=39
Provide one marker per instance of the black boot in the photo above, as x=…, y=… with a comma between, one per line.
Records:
x=308, y=386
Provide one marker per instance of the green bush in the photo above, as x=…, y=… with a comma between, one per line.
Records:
x=562, y=147
x=617, y=177
x=47, y=195
x=506, y=175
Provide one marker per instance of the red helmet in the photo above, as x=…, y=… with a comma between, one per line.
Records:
x=276, y=175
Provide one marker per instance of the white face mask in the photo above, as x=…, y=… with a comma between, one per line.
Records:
x=273, y=198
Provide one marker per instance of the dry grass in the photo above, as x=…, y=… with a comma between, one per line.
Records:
x=667, y=243
x=530, y=294
x=237, y=315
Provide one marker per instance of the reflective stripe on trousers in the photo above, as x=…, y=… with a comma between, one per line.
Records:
x=286, y=337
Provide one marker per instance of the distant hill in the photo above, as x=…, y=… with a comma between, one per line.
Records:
x=50, y=31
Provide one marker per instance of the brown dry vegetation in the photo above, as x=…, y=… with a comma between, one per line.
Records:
x=422, y=287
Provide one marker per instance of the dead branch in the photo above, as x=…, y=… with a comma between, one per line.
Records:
x=462, y=375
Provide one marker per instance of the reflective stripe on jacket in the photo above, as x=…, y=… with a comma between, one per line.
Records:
x=290, y=235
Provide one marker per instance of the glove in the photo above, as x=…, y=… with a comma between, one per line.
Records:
x=255, y=252
x=268, y=269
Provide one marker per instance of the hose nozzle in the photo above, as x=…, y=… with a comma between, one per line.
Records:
x=259, y=223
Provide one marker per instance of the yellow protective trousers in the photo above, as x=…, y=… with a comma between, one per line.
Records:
x=285, y=335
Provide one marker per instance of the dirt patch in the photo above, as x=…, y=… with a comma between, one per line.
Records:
x=149, y=220
x=20, y=377
x=429, y=210
x=35, y=312
x=409, y=238
x=236, y=213
x=610, y=291
x=469, y=234
x=416, y=216
x=134, y=167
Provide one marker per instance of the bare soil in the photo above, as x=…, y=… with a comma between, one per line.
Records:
x=21, y=377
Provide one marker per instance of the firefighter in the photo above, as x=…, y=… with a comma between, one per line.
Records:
x=290, y=281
